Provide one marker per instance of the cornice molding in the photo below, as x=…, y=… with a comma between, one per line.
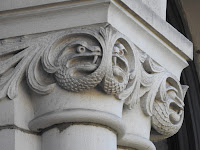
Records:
x=137, y=22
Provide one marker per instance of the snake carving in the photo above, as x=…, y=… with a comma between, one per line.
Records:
x=80, y=67
x=167, y=116
x=117, y=77
x=81, y=61
x=163, y=100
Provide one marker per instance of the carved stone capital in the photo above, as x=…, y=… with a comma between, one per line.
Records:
x=79, y=74
x=76, y=60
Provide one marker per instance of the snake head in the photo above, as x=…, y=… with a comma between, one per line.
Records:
x=81, y=57
x=175, y=106
x=119, y=53
x=120, y=63
x=168, y=114
x=80, y=64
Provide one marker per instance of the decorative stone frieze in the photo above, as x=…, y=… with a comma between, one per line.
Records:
x=77, y=75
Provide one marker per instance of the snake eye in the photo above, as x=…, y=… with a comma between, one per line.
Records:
x=121, y=52
x=81, y=49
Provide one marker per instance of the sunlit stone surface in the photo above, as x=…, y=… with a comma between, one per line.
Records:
x=89, y=75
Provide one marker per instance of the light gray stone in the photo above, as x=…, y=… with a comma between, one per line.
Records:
x=6, y=112
x=12, y=139
x=139, y=23
x=27, y=141
x=7, y=139
x=23, y=107
x=96, y=82
x=87, y=75
x=87, y=137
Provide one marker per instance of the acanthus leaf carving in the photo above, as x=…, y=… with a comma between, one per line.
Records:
x=160, y=96
x=21, y=56
x=131, y=94
x=80, y=59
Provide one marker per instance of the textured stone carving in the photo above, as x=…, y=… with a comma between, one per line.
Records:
x=119, y=63
x=117, y=77
x=162, y=98
x=167, y=115
x=80, y=65
x=160, y=95
x=80, y=59
x=18, y=57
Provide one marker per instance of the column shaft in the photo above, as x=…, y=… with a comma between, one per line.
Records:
x=79, y=137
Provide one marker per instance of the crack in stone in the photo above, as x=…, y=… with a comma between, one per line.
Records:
x=14, y=127
x=62, y=126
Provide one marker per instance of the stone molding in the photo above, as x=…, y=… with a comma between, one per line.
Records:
x=79, y=116
x=81, y=59
x=137, y=21
x=136, y=142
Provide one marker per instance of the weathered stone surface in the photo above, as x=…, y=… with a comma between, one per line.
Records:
x=62, y=139
x=138, y=22
x=94, y=84
x=7, y=139
x=6, y=112
x=12, y=139
x=87, y=75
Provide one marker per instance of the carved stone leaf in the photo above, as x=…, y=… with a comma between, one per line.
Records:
x=148, y=98
x=142, y=56
x=106, y=32
x=17, y=58
x=33, y=77
x=17, y=77
x=151, y=66
x=80, y=59
x=12, y=48
x=9, y=86
x=131, y=94
x=77, y=58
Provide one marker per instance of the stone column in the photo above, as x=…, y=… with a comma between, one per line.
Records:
x=90, y=86
x=109, y=84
